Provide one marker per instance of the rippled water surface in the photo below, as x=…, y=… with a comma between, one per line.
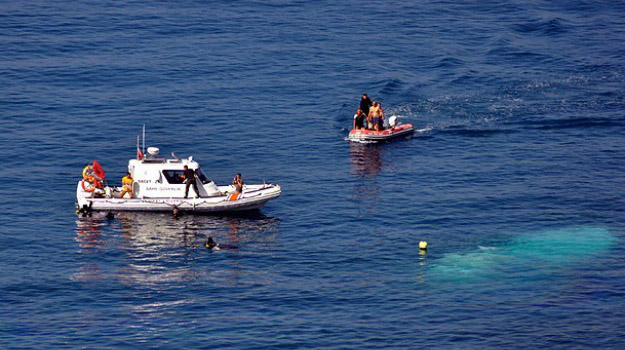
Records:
x=514, y=178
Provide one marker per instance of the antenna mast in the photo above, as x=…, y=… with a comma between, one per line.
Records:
x=143, y=138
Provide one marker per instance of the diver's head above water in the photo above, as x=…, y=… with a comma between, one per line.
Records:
x=210, y=244
x=176, y=212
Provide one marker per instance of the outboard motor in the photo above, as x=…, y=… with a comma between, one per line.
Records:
x=392, y=121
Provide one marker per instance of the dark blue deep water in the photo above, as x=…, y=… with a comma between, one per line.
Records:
x=515, y=177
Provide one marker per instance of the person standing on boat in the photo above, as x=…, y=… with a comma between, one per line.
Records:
x=126, y=185
x=189, y=179
x=374, y=115
x=365, y=104
x=380, y=117
x=359, y=120
x=237, y=182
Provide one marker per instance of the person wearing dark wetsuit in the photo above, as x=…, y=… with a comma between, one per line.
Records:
x=189, y=179
x=365, y=104
x=359, y=120
x=212, y=245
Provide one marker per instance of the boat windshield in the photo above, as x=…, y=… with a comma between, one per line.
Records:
x=175, y=176
x=203, y=177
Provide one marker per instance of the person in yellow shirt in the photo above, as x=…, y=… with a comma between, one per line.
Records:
x=87, y=171
x=126, y=185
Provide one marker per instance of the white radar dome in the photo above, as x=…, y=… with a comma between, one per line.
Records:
x=153, y=151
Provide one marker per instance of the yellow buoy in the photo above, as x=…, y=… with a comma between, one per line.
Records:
x=423, y=245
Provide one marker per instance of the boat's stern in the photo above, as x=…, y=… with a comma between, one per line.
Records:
x=82, y=195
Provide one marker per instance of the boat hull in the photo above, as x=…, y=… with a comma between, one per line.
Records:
x=383, y=135
x=253, y=197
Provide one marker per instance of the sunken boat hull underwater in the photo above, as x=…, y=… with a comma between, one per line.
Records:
x=158, y=185
x=382, y=135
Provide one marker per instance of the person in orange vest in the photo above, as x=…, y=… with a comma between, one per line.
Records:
x=126, y=185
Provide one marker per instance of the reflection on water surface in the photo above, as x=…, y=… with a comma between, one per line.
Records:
x=156, y=248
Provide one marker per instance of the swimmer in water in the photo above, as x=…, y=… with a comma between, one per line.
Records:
x=176, y=212
x=85, y=210
x=210, y=244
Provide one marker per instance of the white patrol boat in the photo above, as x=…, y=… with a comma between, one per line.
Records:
x=158, y=185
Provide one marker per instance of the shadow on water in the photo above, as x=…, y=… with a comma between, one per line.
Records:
x=152, y=248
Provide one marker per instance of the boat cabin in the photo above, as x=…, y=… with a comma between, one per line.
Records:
x=156, y=177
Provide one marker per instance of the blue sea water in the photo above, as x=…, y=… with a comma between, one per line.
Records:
x=515, y=177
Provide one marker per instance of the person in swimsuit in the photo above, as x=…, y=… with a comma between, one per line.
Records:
x=374, y=114
x=380, y=117
x=359, y=120
x=237, y=182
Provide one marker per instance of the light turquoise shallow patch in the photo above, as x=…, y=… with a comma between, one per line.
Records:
x=532, y=252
